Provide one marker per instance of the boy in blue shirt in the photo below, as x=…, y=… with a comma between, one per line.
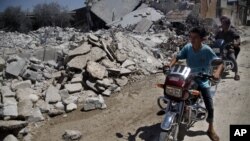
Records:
x=198, y=57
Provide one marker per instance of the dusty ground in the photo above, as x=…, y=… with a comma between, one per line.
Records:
x=131, y=114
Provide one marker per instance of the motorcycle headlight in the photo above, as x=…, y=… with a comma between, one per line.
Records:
x=172, y=91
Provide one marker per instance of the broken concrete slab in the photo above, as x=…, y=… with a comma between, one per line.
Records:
x=16, y=67
x=36, y=115
x=138, y=15
x=79, y=62
x=121, y=81
x=21, y=85
x=96, y=70
x=96, y=54
x=94, y=103
x=64, y=94
x=73, y=88
x=107, y=92
x=127, y=63
x=108, y=64
x=10, y=138
x=106, y=82
x=12, y=125
x=91, y=85
x=59, y=105
x=2, y=64
x=70, y=99
x=32, y=75
x=10, y=107
x=52, y=95
x=111, y=10
x=6, y=92
x=55, y=112
x=121, y=57
x=44, y=106
x=93, y=37
x=24, y=108
x=83, y=49
x=70, y=135
x=143, y=26
x=71, y=107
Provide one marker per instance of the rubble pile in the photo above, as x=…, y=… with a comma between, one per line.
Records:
x=48, y=83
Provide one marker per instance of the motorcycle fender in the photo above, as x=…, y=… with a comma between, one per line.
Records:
x=168, y=120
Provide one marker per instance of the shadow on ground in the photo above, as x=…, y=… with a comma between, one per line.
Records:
x=150, y=133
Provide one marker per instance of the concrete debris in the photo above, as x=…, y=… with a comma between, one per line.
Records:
x=71, y=107
x=53, y=70
x=21, y=85
x=16, y=67
x=6, y=92
x=24, y=108
x=137, y=16
x=121, y=81
x=73, y=88
x=10, y=107
x=83, y=49
x=112, y=10
x=78, y=62
x=2, y=64
x=12, y=125
x=36, y=115
x=10, y=138
x=96, y=70
x=52, y=95
x=94, y=103
x=72, y=135
x=59, y=105
x=143, y=26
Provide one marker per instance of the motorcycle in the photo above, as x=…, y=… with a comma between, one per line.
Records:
x=182, y=101
x=222, y=49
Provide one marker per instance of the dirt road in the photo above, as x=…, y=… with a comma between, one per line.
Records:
x=131, y=114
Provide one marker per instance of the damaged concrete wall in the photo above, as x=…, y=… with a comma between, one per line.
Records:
x=111, y=10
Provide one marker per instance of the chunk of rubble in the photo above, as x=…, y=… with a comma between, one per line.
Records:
x=73, y=88
x=24, y=108
x=6, y=92
x=93, y=103
x=36, y=115
x=52, y=95
x=16, y=67
x=2, y=64
x=10, y=138
x=55, y=112
x=127, y=63
x=83, y=49
x=21, y=85
x=10, y=107
x=96, y=70
x=93, y=37
x=44, y=106
x=72, y=135
x=121, y=81
x=12, y=125
x=79, y=62
x=71, y=107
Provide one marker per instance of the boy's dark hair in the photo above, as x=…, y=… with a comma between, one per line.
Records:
x=200, y=31
x=226, y=21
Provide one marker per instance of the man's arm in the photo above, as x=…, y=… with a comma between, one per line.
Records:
x=218, y=71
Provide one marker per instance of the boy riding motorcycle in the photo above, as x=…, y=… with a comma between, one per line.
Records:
x=199, y=55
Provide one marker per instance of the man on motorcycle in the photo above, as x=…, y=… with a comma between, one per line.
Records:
x=199, y=55
x=229, y=35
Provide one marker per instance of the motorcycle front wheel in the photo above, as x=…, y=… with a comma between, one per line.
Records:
x=165, y=135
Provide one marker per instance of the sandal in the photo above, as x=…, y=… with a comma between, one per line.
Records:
x=213, y=136
x=237, y=77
